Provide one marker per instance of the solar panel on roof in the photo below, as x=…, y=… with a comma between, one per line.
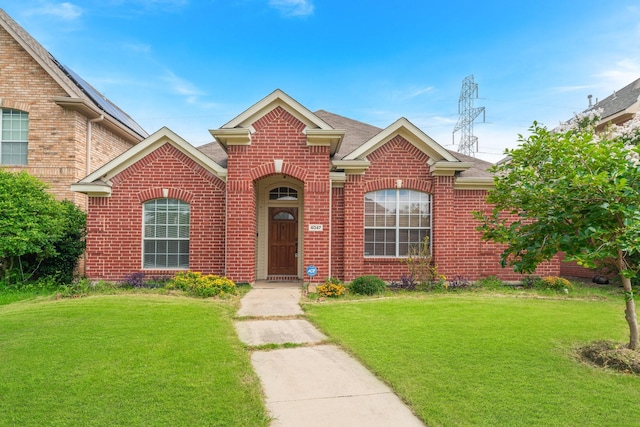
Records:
x=103, y=103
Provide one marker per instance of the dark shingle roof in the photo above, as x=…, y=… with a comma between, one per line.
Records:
x=620, y=100
x=215, y=152
x=357, y=133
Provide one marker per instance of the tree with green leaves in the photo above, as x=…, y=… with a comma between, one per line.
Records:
x=571, y=190
x=36, y=230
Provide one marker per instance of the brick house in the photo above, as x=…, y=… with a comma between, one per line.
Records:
x=282, y=188
x=53, y=124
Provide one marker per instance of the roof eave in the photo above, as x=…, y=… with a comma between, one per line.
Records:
x=474, y=183
x=88, y=110
x=325, y=137
x=92, y=189
x=447, y=168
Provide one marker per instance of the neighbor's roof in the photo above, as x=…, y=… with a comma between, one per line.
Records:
x=620, y=100
x=72, y=83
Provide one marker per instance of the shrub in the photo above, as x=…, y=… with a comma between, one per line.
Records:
x=457, y=282
x=367, y=285
x=205, y=286
x=490, y=282
x=41, y=237
x=331, y=288
x=134, y=280
x=555, y=283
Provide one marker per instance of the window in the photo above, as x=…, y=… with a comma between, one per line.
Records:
x=395, y=222
x=14, y=126
x=166, y=234
x=283, y=193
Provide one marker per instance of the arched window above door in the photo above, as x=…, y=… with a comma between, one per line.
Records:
x=284, y=216
x=283, y=193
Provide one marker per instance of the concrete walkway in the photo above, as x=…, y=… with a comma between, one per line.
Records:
x=315, y=385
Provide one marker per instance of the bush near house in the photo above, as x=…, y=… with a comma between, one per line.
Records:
x=331, y=288
x=205, y=286
x=41, y=238
x=367, y=285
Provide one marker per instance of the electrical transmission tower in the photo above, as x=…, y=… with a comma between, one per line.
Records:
x=468, y=142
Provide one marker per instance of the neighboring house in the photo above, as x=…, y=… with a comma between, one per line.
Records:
x=619, y=107
x=283, y=188
x=53, y=124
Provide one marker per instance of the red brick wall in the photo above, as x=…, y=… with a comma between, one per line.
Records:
x=278, y=135
x=457, y=247
x=114, y=242
x=337, y=232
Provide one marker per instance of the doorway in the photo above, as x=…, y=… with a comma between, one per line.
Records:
x=283, y=241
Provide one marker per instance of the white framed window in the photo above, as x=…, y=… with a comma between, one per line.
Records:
x=14, y=133
x=166, y=234
x=283, y=193
x=395, y=222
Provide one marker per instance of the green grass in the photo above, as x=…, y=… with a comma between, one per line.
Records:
x=8, y=296
x=129, y=360
x=489, y=359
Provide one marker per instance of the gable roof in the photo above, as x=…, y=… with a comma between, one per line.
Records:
x=239, y=130
x=97, y=183
x=80, y=95
x=357, y=134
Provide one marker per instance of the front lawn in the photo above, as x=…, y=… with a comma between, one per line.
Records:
x=487, y=359
x=134, y=360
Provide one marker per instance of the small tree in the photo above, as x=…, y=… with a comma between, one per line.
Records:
x=34, y=227
x=575, y=191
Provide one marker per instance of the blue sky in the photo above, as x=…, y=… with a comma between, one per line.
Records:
x=194, y=65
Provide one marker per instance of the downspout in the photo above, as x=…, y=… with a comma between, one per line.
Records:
x=90, y=123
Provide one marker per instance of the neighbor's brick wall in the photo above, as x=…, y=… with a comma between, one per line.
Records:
x=57, y=137
x=278, y=135
x=115, y=224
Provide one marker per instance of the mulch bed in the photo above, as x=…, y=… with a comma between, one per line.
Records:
x=612, y=355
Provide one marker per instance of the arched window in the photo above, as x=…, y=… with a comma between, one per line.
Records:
x=396, y=222
x=284, y=216
x=166, y=234
x=14, y=127
x=283, y=193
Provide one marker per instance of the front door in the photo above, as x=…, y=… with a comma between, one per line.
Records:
x=283, y=241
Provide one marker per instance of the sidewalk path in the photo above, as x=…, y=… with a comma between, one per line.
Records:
x=316, y=385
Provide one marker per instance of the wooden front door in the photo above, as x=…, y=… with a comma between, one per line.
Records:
x=283, y=241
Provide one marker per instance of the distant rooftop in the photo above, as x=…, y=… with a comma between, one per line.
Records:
x=621, y=102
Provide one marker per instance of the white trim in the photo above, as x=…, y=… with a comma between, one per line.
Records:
x=411, y=133
x=462, y=183
x=96, y=181
x=268, y=103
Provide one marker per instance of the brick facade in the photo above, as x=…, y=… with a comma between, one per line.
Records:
x=228, y=206
x=115, y=224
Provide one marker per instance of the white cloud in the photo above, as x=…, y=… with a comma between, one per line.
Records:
x=415, y=92
x=67, y=11
x=625, y=71
x=181, y=86
x=293, y=7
